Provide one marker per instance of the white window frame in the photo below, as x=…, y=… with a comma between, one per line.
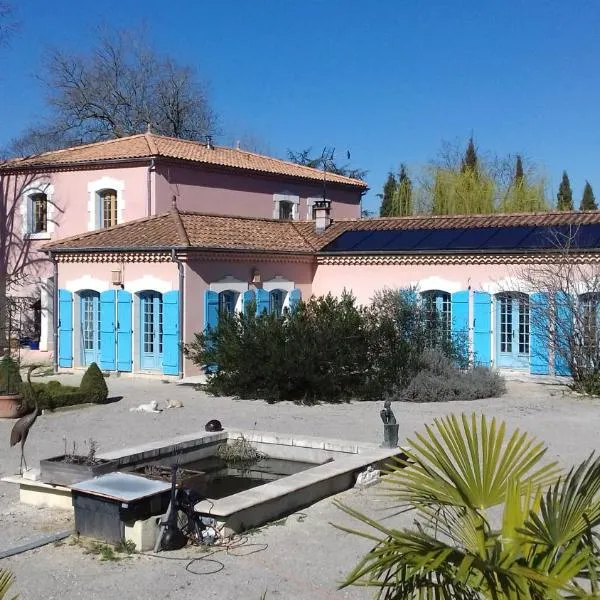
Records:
x=231, y=284
x=95, y=213
x=286, y=197
x=37, y=187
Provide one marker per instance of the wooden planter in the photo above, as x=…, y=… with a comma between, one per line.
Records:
x=10, y=406
x=58, y=472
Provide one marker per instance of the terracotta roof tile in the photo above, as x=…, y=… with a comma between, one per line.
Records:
x=151, y=145
x=196, y=230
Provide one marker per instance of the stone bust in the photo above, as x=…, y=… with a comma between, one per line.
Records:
x=387, y=414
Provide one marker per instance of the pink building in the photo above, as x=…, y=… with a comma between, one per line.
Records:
x=130, y=296
x=97, y=186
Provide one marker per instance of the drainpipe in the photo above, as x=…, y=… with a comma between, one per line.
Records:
x=55, y=310
x=151, y=167
x=180, y=317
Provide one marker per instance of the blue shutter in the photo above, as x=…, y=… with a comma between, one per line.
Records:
x=124, y=331
x=294, y=297
x=263, y=302
x=539, y=358
x=211, y=309
x=482, y=328
x=247, y=298
x=108, y=359
x=460, y=317
x=171, y=333
x=563, y=322
x=65, y=328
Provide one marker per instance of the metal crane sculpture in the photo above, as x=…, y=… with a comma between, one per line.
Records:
x=21, y=428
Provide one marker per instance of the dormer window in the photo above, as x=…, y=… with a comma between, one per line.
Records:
x=108, y=204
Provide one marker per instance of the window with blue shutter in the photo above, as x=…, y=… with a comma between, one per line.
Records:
x=108, y=358
x=248, y=300
x=211, y=309
x=539, y=359
x=563, y=321
x=294, y=298
x=65, y=328
x=262, y=302
x=124, y=331
x=460, y=317
x=171, y=333
x=482, y=329
x=276, y=300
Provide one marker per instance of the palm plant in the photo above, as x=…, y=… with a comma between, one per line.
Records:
x=6, y=580
x=492, y=520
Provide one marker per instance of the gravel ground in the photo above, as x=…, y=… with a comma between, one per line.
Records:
x=301, y=557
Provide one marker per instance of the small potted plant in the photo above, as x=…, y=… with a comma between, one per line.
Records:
x=10, y=388
x=72, y=467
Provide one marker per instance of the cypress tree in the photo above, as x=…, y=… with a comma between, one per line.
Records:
x=470, y=159
x=389, y=188
x=588, y=202
x=564, y=198
x=401, y=205
x=519, y=174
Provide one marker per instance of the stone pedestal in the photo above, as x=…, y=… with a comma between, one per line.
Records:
x=390, y=435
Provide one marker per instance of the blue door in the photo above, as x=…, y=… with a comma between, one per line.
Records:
x=151, y=328
x=90, y=327
x=512, y=331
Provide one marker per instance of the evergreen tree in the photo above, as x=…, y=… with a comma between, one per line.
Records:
x=564, y=198
x=470, y=159
x=588, y=202
x=519, y=174
x=401, y=204
x=388, y=194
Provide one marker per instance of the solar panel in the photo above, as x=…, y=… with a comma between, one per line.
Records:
x=473, y=239
x=408, y=240
x=506, y=238
x=378, y=240
x=440, y=239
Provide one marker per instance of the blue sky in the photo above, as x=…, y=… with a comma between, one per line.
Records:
x=387, y=80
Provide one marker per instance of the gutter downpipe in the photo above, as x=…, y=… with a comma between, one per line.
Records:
x=180, y=316
x=151, y=168
x=54, y=260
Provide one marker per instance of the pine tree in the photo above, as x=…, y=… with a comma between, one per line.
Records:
x=564, y=198
x=401, y=204
x=387, y=197
x=470, y=159
x=588, y=202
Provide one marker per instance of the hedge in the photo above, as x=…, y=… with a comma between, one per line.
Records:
x=53, y=395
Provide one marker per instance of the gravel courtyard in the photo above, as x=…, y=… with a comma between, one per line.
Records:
x=300, y=558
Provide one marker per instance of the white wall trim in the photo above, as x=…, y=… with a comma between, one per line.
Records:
x=229, y=283
x=278, y=283
x=98, y=185
x=434, y=282
x=86, y=282
x=286, y=197
x=507, y=284
x=148, y=282
x=36, y=187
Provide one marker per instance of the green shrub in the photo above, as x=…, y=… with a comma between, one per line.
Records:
x=52, y=395
x=438, y=380
x=326, y=349
x=93, y=385
x=10, y=376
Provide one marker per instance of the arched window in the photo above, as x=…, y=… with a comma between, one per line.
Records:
x=438, y=305
x=276, y=300
x=512, y=326
x=90, y=326
x=227, y=302
x=151, y=325
x=108, y=207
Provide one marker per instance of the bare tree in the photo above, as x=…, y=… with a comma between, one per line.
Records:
x=21, y=261
x=565, y=309
x=119, y=88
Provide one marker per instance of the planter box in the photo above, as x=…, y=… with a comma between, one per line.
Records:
x=58, y=472
x=10, y=406
x=194, y=480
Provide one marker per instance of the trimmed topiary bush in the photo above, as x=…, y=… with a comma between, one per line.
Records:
x=52, y=395
x=93, y=385
x=10, y=376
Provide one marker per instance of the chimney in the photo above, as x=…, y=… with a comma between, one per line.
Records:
x=322, y=213
x=209, y=143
